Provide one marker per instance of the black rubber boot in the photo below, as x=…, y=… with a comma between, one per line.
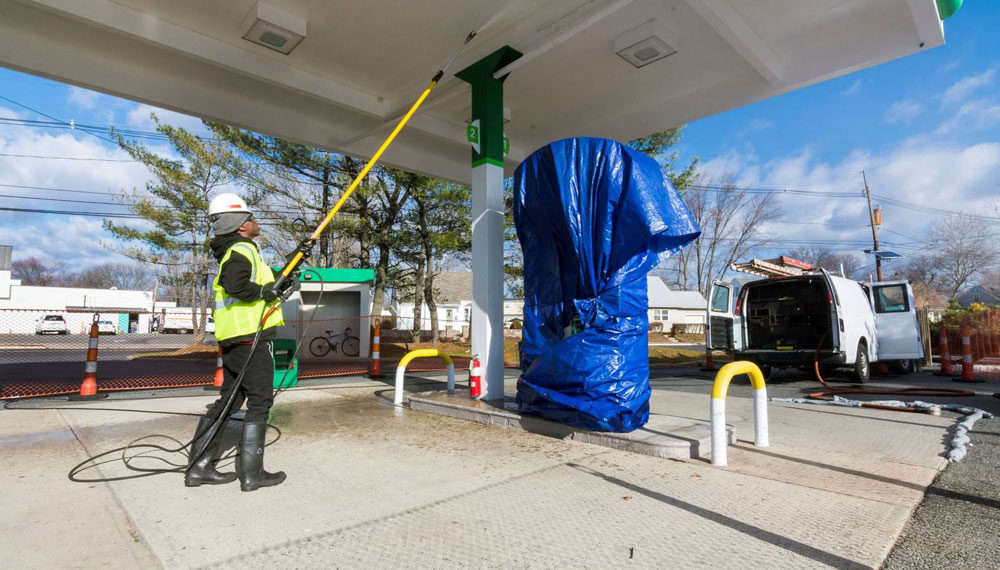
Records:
x=251, y=460
x=203, y=471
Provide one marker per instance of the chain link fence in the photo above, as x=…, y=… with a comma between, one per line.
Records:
x=43, y=352
x=984, y=340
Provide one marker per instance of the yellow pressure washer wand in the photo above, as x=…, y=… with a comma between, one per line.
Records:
x=304, y=247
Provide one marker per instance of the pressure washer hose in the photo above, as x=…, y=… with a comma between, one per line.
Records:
x=830, y=392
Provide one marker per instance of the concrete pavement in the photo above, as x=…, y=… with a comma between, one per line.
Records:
x=375, y=486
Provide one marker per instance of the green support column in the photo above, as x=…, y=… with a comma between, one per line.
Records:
x=485, y=133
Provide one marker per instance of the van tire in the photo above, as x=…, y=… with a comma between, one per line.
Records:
x=862, y=367
x=766, y=370
x=904, y=367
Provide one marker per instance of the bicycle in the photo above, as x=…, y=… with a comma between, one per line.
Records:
x=322, y=345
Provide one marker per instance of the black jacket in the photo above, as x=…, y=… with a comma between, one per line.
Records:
x=234, y=278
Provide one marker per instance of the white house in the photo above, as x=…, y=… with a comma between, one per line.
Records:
x=453, y=299
x=671, y=308
x=454, y=305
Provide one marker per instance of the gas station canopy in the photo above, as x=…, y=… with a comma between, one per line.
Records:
x=618, y=69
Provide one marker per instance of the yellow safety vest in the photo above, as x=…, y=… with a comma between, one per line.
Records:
x=234, y=317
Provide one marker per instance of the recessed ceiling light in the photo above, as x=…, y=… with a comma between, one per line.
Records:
x=645, y=44
x=273, y=28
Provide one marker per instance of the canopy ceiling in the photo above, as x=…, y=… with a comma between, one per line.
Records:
x=363, y=62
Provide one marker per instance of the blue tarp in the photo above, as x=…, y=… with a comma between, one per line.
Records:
x=593, y=217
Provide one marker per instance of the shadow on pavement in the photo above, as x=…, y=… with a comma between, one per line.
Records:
x=740, y=526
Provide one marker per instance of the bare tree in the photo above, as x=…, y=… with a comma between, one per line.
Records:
x=127, y=276
x=34, y=271
x=731, y=220
x=821, y=257
x=963, y=250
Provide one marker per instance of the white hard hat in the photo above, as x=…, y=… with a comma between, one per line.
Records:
x=227, y=202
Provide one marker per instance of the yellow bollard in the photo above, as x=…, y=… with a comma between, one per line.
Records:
x=423, y=352
x=718, y=407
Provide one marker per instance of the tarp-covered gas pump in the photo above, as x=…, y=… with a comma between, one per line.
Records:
x=593, y=217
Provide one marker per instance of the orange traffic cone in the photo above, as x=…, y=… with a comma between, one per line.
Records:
x=88, y=389
x=375, y=368
x=220, y=376
x=968, y=370
x=945, y=355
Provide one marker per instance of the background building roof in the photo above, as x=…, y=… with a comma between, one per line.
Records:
x=662, y=297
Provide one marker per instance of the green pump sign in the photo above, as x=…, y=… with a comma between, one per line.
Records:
x=472, y=135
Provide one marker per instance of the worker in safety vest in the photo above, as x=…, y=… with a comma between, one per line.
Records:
x=244, y=292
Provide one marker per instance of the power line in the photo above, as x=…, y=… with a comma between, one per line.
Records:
x=124, y=203
x=70, y=213
x=755, y=190
x=932, y=210
x=66, y=200
x=825, y=194
x=53, y=189
x=91, y=129
x=37, y=112
x=69, y=158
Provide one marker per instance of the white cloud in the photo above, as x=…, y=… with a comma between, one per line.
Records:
x=72, y=240
x=922, y=171
x=970, y=117
x=963, y=87
x=139, y=117
x=951, y=65
x=69, y=240
x=903, y=111
x=854, y=88
x=83, y=98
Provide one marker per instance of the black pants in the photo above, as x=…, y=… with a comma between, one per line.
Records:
x=257, y=388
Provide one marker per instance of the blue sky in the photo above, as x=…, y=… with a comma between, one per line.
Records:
x=925, y=128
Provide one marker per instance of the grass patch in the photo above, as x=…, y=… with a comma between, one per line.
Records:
x=462, y=349
x=657, y=354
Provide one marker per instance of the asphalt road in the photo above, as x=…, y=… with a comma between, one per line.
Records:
x=27, y=348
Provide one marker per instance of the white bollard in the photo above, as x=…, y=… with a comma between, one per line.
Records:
x=719, y=440
x=760, y=436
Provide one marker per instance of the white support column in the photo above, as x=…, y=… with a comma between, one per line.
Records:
x=487, y=275
x=485, y=133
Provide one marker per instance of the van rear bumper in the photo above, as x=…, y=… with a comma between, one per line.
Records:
x=792, y=357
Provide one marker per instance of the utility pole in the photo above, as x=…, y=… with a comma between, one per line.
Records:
x=871, y=216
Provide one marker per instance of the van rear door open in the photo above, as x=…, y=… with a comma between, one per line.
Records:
x=896, y=325
x=836, y=320
x=723, y=331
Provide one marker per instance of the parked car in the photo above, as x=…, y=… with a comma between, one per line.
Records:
x=51, y=324
x=796, y=321
x=106, y=327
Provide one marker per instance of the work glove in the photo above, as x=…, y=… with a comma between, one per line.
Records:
x=274, y=291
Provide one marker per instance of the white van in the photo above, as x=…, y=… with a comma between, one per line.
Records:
x=794, y=321
x=180, y=321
